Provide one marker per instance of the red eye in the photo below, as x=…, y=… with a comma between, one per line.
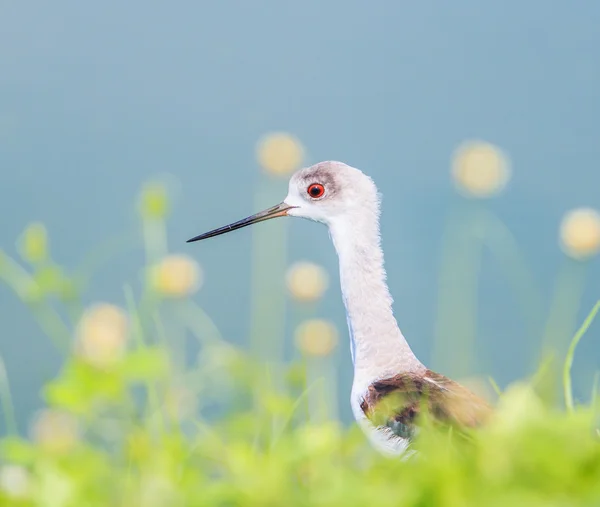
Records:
x=316, y=190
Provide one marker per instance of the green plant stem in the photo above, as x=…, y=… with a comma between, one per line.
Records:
x=21, y=282
x=568, y=390
x=303, y=396
x=155, y=240
x=6, y=402
x=456, y=323
x=322, y=403
x=495, y=386
x=505, y=249
x=138, y=333
x=566, y=302
x=269, y=256
x=595, y=383
x=101, y=255
x=199, y=323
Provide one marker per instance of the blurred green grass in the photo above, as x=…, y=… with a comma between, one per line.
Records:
x=147, y=426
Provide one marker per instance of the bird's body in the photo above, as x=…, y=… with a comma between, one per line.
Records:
x=387, y=374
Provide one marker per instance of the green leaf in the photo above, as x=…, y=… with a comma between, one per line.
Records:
x=50, y=279
x=17, y=451
x=61, y=394
x=145, y=364
x=81, y=385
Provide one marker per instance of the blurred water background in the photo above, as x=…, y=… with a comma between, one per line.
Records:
x=97, y=98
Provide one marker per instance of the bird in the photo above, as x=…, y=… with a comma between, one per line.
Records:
x=391, y=387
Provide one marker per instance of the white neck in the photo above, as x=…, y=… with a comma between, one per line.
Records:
x=377, y=344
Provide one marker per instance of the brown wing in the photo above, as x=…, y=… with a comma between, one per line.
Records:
x=397, y=401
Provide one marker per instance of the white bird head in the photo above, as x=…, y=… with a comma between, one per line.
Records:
x=327, y=192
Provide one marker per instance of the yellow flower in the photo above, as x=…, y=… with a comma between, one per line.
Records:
x=280, y=153
x=316, y=337
x=102, y=335
x=15, y=481
x=55, y=431
x=580, y=233
x=480, y=169
x=306, y=281
x=177, y=276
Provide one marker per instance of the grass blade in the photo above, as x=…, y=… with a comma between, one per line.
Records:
x=567, y=385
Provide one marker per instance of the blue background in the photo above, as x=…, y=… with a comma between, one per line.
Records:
x=97, y=97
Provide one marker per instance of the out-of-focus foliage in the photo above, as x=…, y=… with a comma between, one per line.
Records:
x=107, y=444
x=130, y=421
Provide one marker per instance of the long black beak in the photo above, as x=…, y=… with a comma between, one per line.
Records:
x=280, y=210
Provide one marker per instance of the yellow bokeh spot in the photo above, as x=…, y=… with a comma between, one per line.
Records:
x=580, y=233
x=280, y=153
x=306, y=281
x=177, y=276
x=55, y=431
x=102, y=335
x=480, y=169
x=316, y=337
